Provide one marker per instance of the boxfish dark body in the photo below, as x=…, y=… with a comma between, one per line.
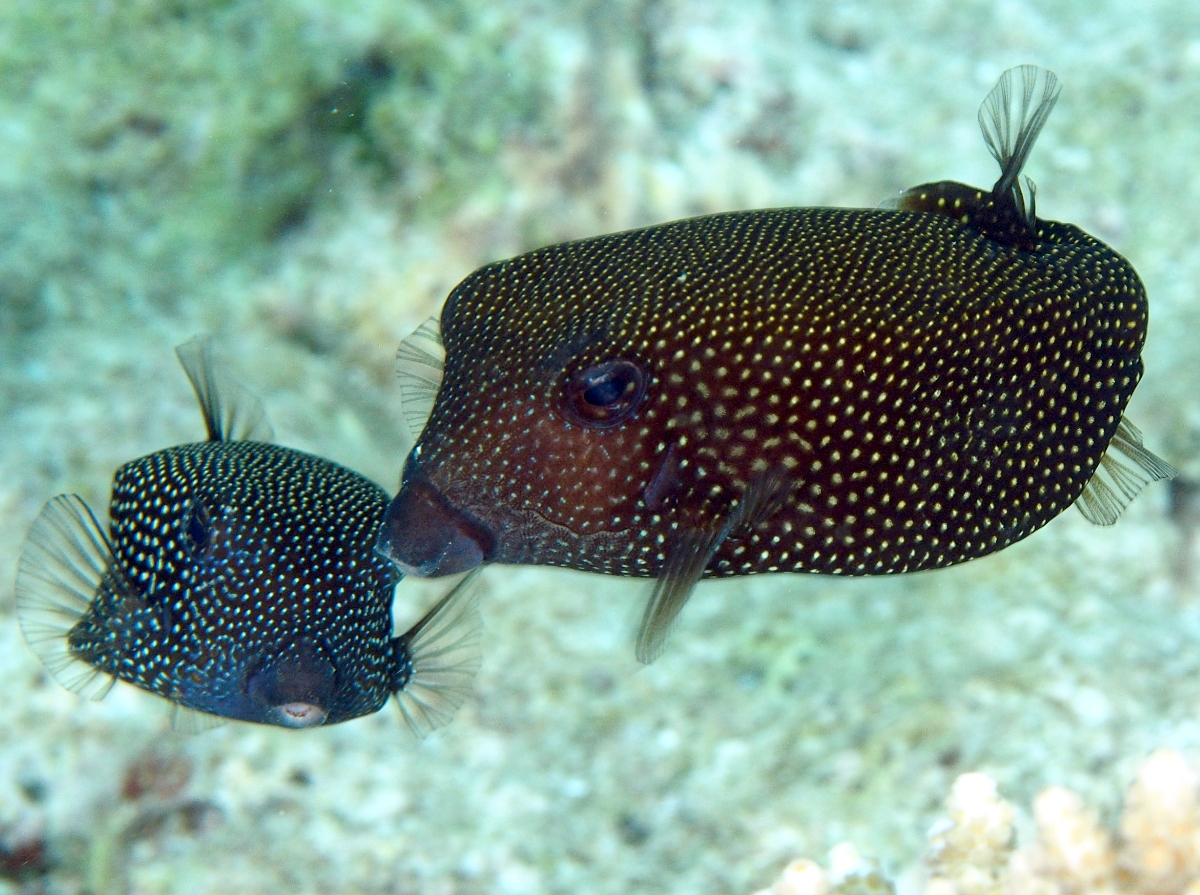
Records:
x=845, y=391
x=238, y=580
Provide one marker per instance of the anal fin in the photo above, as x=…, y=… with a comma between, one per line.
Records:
x=687, y=557
x=185, y=720
x=1124, y=470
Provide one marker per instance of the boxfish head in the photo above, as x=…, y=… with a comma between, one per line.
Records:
x=541, y=438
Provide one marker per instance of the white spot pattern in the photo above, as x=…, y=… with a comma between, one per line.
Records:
x=278, y=562
x=931, y=395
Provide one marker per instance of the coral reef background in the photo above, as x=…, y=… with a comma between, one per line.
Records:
x=307, y=179
x=973, y=850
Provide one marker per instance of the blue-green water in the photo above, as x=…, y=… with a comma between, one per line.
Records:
x=308, y=182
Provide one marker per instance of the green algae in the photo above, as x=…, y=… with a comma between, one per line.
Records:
x=160, y=137
x=148, y=146
x=456, y=87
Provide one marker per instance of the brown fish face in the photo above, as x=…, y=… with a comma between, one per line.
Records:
x=523, y=470
x=426, y=537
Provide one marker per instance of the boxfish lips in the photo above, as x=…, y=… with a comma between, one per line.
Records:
x=293, y=687
x=426, y=537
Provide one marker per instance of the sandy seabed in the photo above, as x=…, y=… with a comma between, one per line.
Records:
x=788, y=713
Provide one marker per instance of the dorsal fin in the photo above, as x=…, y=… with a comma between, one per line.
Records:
x=1011, y=120
x=1124, y=470
x=231, y=413
x=420, y=362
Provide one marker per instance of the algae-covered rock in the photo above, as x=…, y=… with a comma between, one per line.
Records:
x=148, y=144
x=441, y=90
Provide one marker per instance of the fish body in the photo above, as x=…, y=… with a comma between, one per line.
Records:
x=237, y=580
x=843, y=391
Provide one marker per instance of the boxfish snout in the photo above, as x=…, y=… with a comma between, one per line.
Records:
x=294, y=687
x=426, y=537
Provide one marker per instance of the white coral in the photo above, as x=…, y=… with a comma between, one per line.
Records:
x=1160, y=830
x=972, y=851
x=1073, y=854
x=968, y=852
x=848, y=871
x=801, y=877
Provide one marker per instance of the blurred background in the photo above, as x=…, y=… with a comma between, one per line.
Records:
x=307, y=179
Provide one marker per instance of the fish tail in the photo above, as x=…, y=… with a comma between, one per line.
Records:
x=1125, y=468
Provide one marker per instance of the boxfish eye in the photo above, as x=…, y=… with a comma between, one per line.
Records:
x=604, y=394
x=196, y=527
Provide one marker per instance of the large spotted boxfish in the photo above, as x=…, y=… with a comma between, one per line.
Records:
x=844, y=391
x=238, y=580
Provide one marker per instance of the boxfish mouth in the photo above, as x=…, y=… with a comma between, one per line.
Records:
x=425, y=536
x=294, y=684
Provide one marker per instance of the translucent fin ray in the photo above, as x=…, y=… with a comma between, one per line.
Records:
x=686, y=560
x=1010, y=128
x=443, y=649
x=690, y=555
x=1124, y=470
x=190, y=721
x=231, y=412
x=420, y=363
x=63, y=564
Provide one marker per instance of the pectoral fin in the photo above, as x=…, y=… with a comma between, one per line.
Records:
x=420, y=364
x=690, y=551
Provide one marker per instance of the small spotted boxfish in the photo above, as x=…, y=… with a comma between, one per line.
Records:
x=238, y=580
x=844, y=391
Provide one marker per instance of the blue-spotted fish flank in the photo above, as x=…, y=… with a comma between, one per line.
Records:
x=843, y=391
x=238, y=580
